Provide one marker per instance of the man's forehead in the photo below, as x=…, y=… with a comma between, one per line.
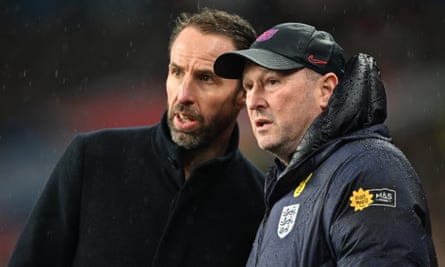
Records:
x=193, y=38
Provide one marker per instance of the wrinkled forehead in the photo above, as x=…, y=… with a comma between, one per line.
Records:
x=192, y=42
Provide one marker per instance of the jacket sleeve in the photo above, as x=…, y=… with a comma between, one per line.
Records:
x=50, y=235
x=379, y=215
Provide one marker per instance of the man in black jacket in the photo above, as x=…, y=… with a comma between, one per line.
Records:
x=340, y=193
x=179, y=193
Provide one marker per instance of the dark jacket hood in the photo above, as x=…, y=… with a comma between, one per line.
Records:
x=358, y=101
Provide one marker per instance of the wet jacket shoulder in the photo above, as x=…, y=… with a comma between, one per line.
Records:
x=117, y=197
x=349, y=197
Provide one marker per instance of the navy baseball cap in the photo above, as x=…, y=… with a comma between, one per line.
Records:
x=286, y=46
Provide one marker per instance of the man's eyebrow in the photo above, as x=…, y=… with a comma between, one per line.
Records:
x=205, y=71
x=200, y=71
x=174, y=65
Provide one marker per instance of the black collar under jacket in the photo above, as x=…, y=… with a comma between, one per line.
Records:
x=170, y=154
x=358, y=101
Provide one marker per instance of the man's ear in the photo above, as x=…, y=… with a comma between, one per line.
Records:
x=328, y=82
x=241, y=98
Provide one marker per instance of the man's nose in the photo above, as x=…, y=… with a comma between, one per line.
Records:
x=187, y=90
x=255, y=98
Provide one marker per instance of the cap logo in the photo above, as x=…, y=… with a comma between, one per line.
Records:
x=266, y=35
x=311, y=58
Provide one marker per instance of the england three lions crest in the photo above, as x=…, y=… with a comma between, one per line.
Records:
x=287, y=220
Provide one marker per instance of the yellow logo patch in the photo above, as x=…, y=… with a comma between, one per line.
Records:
x=302, y=185
x=361, y=199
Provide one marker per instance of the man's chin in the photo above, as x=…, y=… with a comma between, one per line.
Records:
x=186, y=140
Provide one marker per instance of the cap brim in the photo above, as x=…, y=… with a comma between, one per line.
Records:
x=231, y=65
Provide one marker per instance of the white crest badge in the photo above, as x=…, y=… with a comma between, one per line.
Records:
x=287, y=220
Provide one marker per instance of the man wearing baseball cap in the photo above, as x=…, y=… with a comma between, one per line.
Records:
x=339, y=192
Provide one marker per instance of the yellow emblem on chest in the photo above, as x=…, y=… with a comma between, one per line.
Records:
x=302, y=185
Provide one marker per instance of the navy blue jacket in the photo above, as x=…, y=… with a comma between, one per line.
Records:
x=118, y=197
x=349, y=197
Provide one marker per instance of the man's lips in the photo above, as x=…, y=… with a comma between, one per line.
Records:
x=184, y=117
x=185, y=121
x=260, y=123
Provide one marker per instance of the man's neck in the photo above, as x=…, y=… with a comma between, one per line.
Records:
x=192, y=158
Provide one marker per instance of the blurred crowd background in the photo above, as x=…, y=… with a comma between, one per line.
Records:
x=80, y=65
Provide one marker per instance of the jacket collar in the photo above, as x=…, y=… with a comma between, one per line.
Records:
x=170, y=153
x=278, y=183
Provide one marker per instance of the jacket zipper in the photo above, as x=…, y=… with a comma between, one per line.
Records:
x=261, y=234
